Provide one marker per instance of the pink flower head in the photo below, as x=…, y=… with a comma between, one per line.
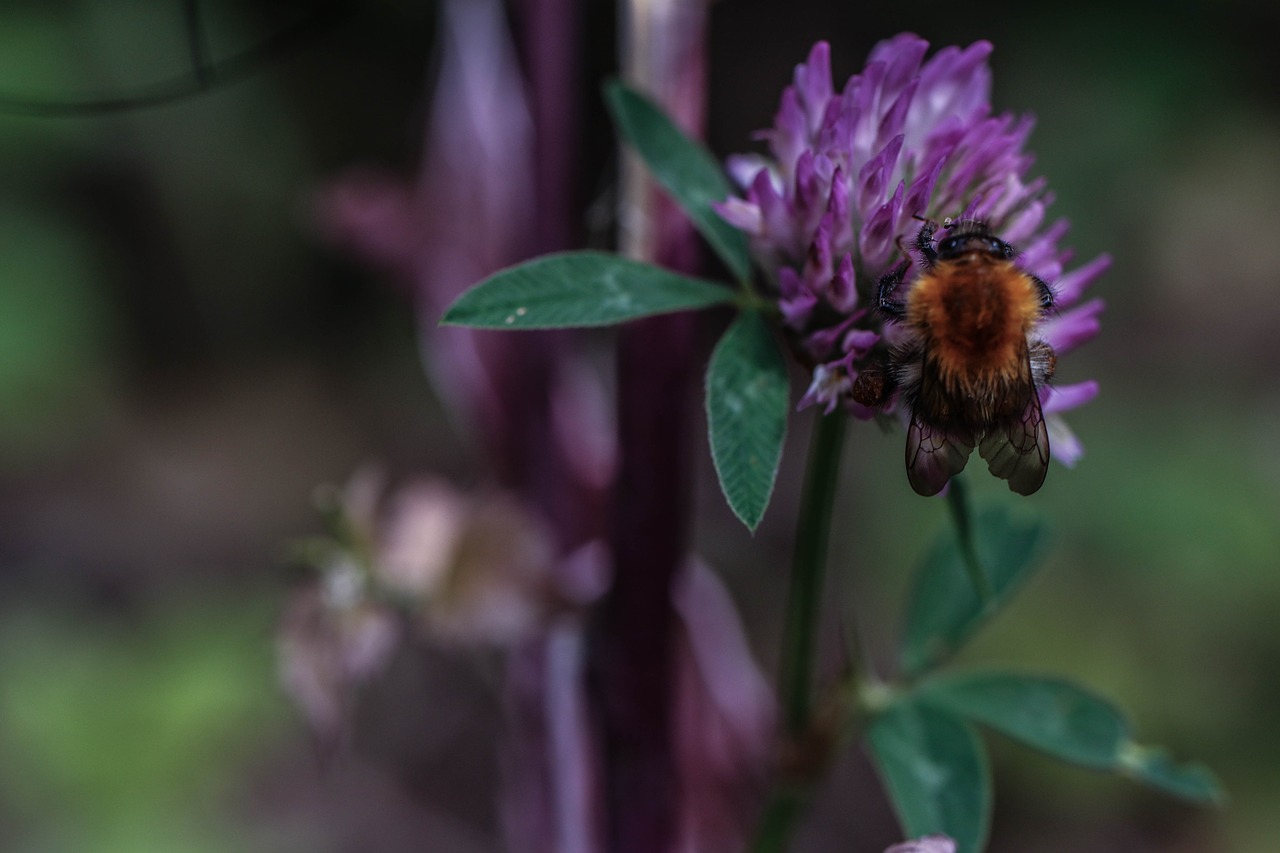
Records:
x=849, y=175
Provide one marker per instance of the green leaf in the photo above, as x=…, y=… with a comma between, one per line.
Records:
x=684, y=168
x=747, y=403
x=1153, y=766
x=579, y=289
x=1049, y=714
x=1067, y=722
x=945, y=609
x=935, y=770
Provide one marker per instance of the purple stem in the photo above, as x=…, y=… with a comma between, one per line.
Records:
x=657, y=375
x=548, y=33
x=550, y=760
x=634, y=630
x=550, y=45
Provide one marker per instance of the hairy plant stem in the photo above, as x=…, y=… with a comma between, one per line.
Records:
x=804, y=733
x=808, y=564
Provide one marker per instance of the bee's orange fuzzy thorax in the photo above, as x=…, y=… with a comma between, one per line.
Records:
x=975, y=313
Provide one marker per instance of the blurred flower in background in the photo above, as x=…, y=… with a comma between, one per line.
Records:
x=468, y=212
x=516, y=564
x=331, y=640
x=485, y=567
x=725, y=718
x=457, y=569
x=482, y=567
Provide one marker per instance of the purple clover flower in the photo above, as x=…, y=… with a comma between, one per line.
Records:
x=849, y=170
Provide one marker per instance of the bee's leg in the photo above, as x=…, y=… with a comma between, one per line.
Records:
x=874, y=385
x=1046, y=292
x=924, y=239
x=1043, y=361
x=924, y=243
x=884, y=295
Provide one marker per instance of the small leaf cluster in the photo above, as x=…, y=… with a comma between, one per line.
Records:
x=923, y=738
x=747, y=392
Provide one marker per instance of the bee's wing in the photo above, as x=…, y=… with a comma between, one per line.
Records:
x=935, y=454
x=1017, y=449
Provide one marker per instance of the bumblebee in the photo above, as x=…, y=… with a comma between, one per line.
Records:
x=969, y=367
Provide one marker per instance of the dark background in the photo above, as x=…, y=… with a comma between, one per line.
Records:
x=182, y=360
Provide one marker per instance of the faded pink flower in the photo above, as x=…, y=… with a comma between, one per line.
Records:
x=331, y=641
x=725, y=718
x=479, y=570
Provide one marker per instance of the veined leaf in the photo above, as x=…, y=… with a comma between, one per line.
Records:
x=1049, y=714
x=936, y=773
x=579, y=289
x=683, y=167
x=945, y=609
x=1153, y=766
x=1068, y=722
x=747, y=405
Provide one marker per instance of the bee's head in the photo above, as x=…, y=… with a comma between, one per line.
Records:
x=970, y=235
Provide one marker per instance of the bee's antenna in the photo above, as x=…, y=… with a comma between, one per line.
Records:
x=926, y=220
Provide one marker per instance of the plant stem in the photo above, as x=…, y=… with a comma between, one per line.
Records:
x=634, y=675
x=808, y=562
x=958, y=502
x=800, y=632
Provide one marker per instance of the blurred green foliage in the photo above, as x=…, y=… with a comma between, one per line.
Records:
x=55, y=330
x=127, y=737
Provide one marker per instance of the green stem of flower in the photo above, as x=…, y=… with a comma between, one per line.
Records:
x=958, y=502
x=800, y=633
x=808, y=562
x=749, y=300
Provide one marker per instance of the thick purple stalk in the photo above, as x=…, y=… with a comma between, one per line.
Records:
x=657, y=377
x=635, y=628
x=548, y=44
x=550, y=39
x=541, y=812
x=548, y=763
